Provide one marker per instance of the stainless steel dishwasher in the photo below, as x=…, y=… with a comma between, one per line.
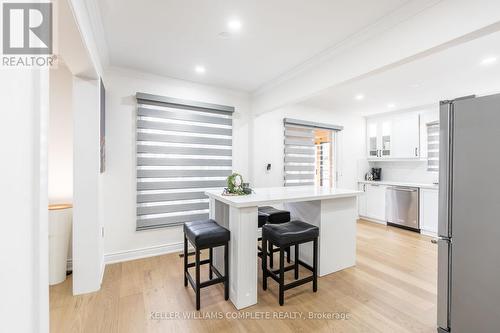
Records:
x=402, y=206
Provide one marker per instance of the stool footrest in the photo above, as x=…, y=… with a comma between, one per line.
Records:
x=211, y=282
x=286, y=269
x=303, y=264
x=202, y=262
x=298, y=282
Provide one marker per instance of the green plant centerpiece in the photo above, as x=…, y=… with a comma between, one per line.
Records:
x=235, y=184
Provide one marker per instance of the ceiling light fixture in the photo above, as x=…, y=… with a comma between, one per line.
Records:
x=391, y=105
x=359, y=97
x=200, y=69
x=489, y=61
x=234, y=25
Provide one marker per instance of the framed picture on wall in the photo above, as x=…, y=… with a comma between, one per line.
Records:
x=102, y=134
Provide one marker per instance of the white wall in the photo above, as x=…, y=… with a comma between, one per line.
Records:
x=60, y=154
x=267, y=143
x=24, y=100
x=119, y=183
x=414, y=171
x=88, y=242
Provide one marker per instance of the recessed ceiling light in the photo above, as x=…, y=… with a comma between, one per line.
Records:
x=489, y=61
x=359, y=97
x=415, y=85
x=234, y=25
x=391, y=105
x=199, y=69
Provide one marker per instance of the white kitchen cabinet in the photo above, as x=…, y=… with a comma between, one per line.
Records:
x=379, y=137
x=406, y=135
x=393, y=137
x=375, y=201
x=372, y=139
x=429, y=205
x=362, y=200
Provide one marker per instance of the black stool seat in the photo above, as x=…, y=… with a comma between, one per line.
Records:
x=206, y=233
x=262, y=218
x=284, y=236
x=288, y=233
x=275, y=216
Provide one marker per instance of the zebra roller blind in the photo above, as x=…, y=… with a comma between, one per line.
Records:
x=183, y=149
x=300, y=155
x=433, y=146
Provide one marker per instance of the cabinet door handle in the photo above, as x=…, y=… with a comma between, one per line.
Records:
x=416, y=151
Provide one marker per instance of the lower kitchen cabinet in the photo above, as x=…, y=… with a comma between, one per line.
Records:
x=362, y=200
x=429, y=205
x=372, y=203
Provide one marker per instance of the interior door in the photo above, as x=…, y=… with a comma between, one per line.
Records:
x=475, y=227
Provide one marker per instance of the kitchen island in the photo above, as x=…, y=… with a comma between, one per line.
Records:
x=334, y=211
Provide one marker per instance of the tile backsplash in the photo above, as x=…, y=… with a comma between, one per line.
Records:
x=411, y=171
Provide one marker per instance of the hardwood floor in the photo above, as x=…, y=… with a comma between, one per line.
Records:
x=391, y=289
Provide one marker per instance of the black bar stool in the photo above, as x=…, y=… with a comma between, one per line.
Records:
x=285, y=235
x=205, y=235
x=268, y=214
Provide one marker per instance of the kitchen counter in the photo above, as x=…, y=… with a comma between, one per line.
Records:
x=279, y=195
x=396, y=183
x=333, y=211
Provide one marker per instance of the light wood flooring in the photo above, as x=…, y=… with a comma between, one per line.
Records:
x=391, y=289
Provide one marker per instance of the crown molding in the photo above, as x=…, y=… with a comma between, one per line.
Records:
x=97, y=27
x=401, y=14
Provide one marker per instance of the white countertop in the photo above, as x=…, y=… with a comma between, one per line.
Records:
x=396, y=183
x=274, y=195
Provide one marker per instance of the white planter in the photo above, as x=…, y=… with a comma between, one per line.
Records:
x=60, y=221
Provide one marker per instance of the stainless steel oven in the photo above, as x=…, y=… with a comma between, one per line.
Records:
x=402, y=207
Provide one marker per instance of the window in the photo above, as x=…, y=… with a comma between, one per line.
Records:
x=433, y=146
x=309, y=153
x=324, y=165
x=183, y=149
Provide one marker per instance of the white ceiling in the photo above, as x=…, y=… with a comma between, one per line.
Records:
x=171, y=37
x=448, y=74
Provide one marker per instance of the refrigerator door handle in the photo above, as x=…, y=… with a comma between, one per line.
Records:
x=443, y=300
x=445, y=167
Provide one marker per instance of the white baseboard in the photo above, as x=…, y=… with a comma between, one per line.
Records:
x=152, y=251
x=128, y=255
x=428, y=233
x=364, y=218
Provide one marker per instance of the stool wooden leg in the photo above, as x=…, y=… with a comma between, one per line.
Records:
x=282, y=276
x=288, y=254
x=210, y=263
x=271, y=255
x=315, y=264
x=226, y=272
x=197, y=265
x=264, y=263
x=296, y=263
x=185, y=261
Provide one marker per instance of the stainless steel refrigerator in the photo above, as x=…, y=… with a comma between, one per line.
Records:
x=469, y=216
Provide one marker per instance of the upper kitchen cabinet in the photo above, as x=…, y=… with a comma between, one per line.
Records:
x=395, y=136
x=379, y=136
x=406, y=135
